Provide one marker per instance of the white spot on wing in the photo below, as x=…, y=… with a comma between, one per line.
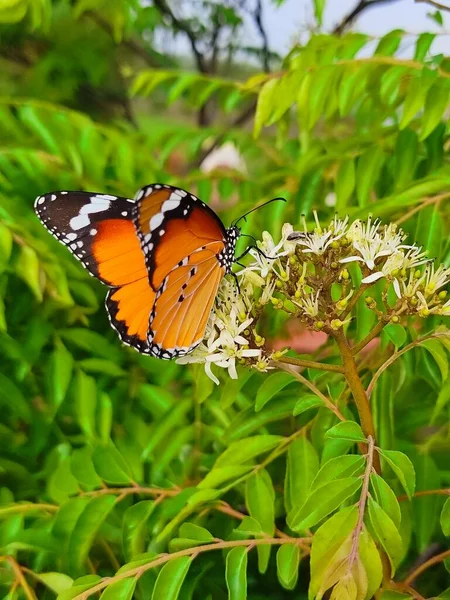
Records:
x=170, y=204
x=71, y=236
x=82, y=220
x=156, y=221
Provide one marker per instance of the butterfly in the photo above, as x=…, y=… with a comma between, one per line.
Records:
x=163, y=255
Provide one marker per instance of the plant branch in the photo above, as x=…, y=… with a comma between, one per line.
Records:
x=424, y=566
x=20, y=578
x=310, y=364
x=183, y=26
x=359, y=8
x=369, y=337
x=397, y=355
x=328, y=403
x=442, y=492
x=193, y=552
x=136, y=489
x=362, y=503
x=358, y=391
x=434, y=4
x=265, y=49
x=27, y=507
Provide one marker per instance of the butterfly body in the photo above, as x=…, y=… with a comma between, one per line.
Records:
x=163, y=255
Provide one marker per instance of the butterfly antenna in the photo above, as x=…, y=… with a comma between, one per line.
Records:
x=234, y=224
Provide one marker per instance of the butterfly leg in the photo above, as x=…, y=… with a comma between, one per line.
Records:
x=237, y=281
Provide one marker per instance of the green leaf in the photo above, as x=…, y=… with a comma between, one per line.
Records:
x=27, y=268
x=370, y=558
x=170, y=578
x=386, y=533
x=120, y=590
x=288, y=560
x=345, y=183
x=135, y=529
x=91, y=341
x=405, y=158
x=82, y=467
x=403, y=468
x=57, y=582
x=243, y=450
x=346, y=430
x=222, y=474
x=236, y=573
x=260, y=501
x=396, y=333
x=319, y=6
x=319, y=504
x=80, y=585
x=445, y=518
x=59, y=374
x=192, y=531
x=442, y=400
x=386, y=498
x=329, y=546
x=435, y=105
x=367, y=173
x=110, y=465
x=307, y=402
x=271, y=386
x=389, y=44
x=86, y=528
x=85, y=392
x=425, y=508
x=423, y=45
x=338, y=468
x=301, y=468
x=435, y=348
x=265, y=105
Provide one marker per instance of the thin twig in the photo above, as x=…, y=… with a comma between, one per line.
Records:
x=369, y=337
x=442, y=492
x=310, y=364
x=426, y=565
x=164, y=558
x=27, y=590
x=397, y=355
x=362, y=503
x=28, y=507
x=425, y=203
x=136, y=489
x=328, y=403
x=359, y=8
x=184, y=27
x=434, y=4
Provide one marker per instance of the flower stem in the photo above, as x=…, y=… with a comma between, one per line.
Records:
x=369, y=337
x=358, y=392
x=310, y=364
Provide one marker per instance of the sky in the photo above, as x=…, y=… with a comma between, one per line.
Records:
x=286, y=22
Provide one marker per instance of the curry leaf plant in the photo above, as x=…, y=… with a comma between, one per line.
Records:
x=302, y=449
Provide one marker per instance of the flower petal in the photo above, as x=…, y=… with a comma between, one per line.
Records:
x=373, y=277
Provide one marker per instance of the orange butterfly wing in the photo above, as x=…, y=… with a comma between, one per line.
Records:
x=183, y=304
x=163, y=256
x=99, y=230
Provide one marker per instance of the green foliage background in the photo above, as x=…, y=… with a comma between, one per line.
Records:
x=86, y=102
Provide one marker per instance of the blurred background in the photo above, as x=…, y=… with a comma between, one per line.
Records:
x=337, y=106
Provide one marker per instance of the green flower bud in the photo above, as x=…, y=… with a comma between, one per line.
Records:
x=395, y=319
x=442, y=295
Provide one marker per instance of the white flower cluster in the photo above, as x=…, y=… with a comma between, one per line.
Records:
x=293, y=274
